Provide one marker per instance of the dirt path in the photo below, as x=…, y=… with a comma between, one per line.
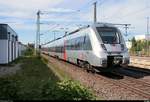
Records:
x=9, y=70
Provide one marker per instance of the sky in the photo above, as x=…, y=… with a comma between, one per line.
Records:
x=59, y=16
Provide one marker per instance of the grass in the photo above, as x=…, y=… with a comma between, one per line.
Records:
x=61, y=74
x=35, y=81
x=28, y=82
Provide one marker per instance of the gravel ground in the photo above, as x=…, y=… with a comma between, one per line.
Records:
x=141, y=62
x=146, y=79
x=100, y=86
x=9, y=70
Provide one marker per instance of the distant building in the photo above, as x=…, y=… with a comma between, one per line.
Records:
x=31, y=45
x=142, y=37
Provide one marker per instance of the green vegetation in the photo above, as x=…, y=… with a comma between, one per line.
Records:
x=35, y=81
x=67, y=90
x=29, y=52
x=61, y=74
x=139, y=47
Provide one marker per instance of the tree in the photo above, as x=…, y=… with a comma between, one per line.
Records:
x=134, y=44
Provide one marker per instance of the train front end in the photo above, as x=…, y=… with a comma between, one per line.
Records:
x=113, y=48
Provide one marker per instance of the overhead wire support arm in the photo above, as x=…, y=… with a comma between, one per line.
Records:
x=126, y=27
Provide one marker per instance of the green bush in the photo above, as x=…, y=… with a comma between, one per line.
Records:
x=67, y=90
x=35, y=81
x=29, y=52
x=8, y=89
x=140, y=47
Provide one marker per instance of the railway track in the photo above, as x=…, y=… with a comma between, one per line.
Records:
x=137, y=86
x=133, y=85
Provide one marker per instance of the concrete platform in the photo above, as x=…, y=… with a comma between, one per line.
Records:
x=141, y=62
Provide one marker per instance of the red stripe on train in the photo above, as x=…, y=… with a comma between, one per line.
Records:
x=65, y=54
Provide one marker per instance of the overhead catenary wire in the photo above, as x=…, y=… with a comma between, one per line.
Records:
x=133, y=13
x=50, y=29
x=71, y=10
x=77, y=10
x=80, y=9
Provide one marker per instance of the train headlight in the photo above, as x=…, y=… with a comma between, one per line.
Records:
x=122, y=47
x=103, y=46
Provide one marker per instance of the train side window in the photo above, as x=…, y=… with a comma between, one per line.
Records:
x=62, y=49
x=88, y=43
x=84, y=43
x=81, y=42
x=72, y=44
x=84, y=39
x=78, y=43
x=69, y=45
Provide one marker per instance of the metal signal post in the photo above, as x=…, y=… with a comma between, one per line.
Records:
x=95, y=12
x=37, y=49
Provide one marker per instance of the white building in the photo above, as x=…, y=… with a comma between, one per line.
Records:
x=8, y=44
x=129, y=44
x=142, y=37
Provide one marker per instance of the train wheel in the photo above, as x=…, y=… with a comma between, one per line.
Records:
x=89, y=68
x=78, y=63
x=81, y=63
x=93, y=70
x=86, y=67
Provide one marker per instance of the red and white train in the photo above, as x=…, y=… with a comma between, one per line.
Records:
x=98, y=45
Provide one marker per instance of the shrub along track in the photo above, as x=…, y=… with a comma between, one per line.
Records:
x=35, y=81
x=123, y=88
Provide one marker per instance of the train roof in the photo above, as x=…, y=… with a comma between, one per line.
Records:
x=84, y=27
x=93, y=25
x=102, y=25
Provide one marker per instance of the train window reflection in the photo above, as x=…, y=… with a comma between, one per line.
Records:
x=109, y=35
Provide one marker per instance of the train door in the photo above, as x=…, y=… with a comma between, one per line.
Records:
x=87, y=48
x=64, y=52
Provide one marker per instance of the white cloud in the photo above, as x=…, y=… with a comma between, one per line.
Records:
x=27, y=5
x=133, y=12
x=23, y=12
x=25, y=8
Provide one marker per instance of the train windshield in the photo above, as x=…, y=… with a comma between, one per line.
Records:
x=109, y=35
